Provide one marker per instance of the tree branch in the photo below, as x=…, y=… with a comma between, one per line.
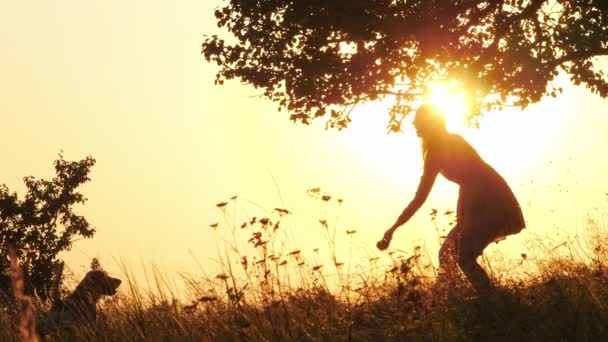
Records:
x=527, y=12
x=578, y=55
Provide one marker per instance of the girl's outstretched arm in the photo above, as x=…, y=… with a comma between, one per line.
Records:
x=424, y=188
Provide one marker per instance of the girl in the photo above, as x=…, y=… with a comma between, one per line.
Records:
x=487, y=210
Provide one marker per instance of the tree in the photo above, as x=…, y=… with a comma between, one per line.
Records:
x=320, y=57
x=42, y=224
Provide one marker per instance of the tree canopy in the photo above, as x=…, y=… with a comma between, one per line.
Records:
x=319, y=58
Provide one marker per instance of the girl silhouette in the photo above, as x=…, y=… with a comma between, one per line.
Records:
x=487, y=210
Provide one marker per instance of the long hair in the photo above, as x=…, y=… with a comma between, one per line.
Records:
x=431, y=125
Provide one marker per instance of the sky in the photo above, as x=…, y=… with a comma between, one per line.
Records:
x=125, y=83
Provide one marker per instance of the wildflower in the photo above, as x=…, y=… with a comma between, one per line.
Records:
x=95, y=265
x=207, y=299
x=325, y=198
x=282, y=211
x=260, y=243
x=260, y=261
x=296, y=252
x=433, y=214
x=213, y=225
x=351, y=232
x=221, y=204
x=255, y=236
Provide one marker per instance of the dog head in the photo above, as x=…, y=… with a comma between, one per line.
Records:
x=98, y=283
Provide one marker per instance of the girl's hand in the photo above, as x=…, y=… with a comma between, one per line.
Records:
x=386, y=240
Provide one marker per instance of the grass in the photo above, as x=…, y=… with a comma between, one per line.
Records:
x=269, y=292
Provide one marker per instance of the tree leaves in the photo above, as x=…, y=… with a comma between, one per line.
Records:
x=316, y=58
x=43, y=223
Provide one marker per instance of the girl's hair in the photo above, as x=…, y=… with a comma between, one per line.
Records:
x=431, y=122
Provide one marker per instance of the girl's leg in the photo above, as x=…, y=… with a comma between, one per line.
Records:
x=468, y=251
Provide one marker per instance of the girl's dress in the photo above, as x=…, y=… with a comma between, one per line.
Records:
x=487, y=209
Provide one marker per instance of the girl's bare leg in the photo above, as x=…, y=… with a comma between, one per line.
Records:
x=468, y=252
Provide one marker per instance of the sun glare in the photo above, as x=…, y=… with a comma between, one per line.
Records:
x=509, y=139
x=451, y=103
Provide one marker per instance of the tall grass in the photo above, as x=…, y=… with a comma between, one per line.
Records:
x=271, y=290
x=26, y=324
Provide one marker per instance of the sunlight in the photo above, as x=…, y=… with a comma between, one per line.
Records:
x=451, y=102
x=505, y=137
x=511, y=140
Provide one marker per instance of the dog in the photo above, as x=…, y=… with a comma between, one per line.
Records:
x=80, y=307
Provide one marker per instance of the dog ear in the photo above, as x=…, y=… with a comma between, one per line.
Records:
x=89, y=280
x=99, y=283
x=94, y=282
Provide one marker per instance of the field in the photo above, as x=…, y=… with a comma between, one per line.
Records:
x=268, y=293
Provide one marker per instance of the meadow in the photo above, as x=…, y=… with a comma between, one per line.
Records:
x=267, y=291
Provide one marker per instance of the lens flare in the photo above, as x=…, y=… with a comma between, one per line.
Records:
x=451, y=101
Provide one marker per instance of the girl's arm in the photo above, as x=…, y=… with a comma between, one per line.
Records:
x=424, y=188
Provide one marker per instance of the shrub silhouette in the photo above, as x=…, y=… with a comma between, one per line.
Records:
x=42, y=224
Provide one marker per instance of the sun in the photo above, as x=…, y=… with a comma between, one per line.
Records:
x=450, y=100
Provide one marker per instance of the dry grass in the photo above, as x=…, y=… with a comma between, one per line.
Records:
x=267, y=291
x=26, y=324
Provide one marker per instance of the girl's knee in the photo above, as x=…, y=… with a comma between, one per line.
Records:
x=468, y=252
x=466, y=259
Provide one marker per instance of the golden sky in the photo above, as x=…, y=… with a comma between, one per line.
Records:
x=125, y=82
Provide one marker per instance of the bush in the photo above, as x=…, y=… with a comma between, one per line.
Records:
x=42, y=224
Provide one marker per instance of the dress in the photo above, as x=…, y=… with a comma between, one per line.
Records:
x=487, y=209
